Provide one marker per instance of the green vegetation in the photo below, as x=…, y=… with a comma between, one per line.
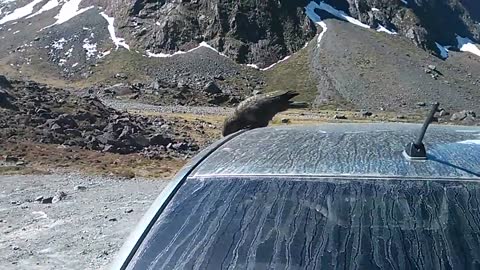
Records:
x=293, y=74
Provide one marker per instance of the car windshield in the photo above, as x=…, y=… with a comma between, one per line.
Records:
x=316, y=223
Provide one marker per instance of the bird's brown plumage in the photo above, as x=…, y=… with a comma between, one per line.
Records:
x=257, y=111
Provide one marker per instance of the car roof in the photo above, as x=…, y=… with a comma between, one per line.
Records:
x=300, y=153
x=345, y=150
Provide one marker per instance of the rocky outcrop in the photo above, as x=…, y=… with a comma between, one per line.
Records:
x=424, y=22
x=55, y=116
x=260, y=32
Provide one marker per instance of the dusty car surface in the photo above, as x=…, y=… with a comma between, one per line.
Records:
x=332, y=196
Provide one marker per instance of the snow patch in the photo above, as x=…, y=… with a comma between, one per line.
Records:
x=20, y=12
x=404, y=1
x=165, y=55
x=443, y=50
x=62, y=62
x=104, y=54
x=111, y=29
x=382, y=28
x=205, y=44
x=280, y=61
x=162, y=55
x=467, y=45
x=253, y=66
x=68, y=11
x=90, y=48
x=339, y=14
x=312, y=15
x=48, y=6
x=59, y=44
x=16, y=32
x=375, y=9
x=68, y=54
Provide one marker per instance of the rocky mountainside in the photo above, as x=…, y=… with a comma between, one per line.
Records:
x=189, y=44
x=262, y=32
x=38, y=113
x=387, y=72
x=248, y=32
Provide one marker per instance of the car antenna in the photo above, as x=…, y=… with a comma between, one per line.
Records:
x=416, y=150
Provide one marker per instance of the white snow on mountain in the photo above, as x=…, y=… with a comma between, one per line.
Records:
x=165, y=55
x=312, y=15
x=310, y=11
x=467, y=45
x=382, y=28
x=20, y=12
x=274, y=64
x=90, y=48
x=253, y=66
x=59, y=44
x=340, y=14
x=68, y=11
x=48, y=6
x=111, y=29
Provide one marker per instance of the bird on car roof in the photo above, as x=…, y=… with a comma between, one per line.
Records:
x=257, y=111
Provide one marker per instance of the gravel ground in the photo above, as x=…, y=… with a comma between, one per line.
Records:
x=82, y=231
x=145, y=108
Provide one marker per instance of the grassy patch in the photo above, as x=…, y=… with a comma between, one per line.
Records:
x=44, y=157
x=293, y=74
x=132, y=64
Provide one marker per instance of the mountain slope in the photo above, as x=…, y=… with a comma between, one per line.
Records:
x=374, y=70
x=366, y=53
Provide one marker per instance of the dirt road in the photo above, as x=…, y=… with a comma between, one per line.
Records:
x=82, y=231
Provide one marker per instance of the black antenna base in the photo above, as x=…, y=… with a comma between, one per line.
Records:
x=415, y=152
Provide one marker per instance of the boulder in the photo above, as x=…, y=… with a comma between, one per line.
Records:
x=432, y=67
x=4, y=82
x=6, y=100
x=119, y=89
x=66, y=121
x=139, y=140
x=218, y=99
x=121, y=76
x=107, y=138
x=463, y=115
x=443, y=113
x=159, y=139
x=59, y=195
x=366, y=113
x=212, y=88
